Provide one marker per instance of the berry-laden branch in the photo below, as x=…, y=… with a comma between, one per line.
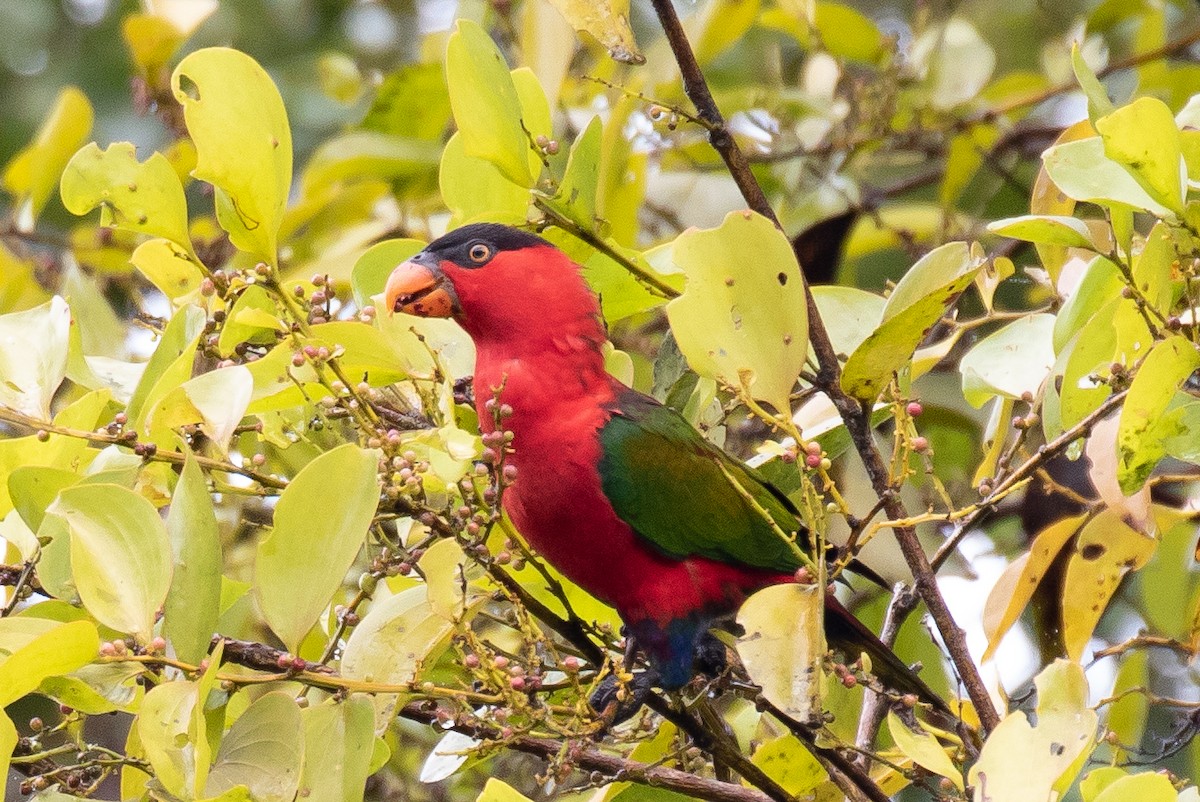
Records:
x=853, y=413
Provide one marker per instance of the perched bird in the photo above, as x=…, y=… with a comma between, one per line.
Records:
x=614, y=489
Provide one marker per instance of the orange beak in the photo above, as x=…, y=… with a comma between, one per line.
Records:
x=414, y=289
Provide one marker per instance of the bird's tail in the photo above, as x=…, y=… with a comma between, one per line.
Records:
x=847, y=634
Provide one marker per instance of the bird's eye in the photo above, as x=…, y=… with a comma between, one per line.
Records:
x=479, y=253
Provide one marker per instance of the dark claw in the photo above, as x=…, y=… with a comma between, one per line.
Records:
x=711, y=657
x=615, y=701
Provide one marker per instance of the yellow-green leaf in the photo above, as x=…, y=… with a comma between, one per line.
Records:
x=372, y=269
x=215, y=400
x=1145, y=424
x=784, y=644
x=484, y=99
x=33, y=356
x=499, y=791
x=339, y=738
x=742, y=318
x=33, y=173
x=120, y=555
x=924, y=750
x=791, y=765
x=1015, y=587
x=55, y=650
x=1010, y=362
x=262, y=751
x=396, y=637
x=607, y=21
x=1106, y=550
x=293, y=580
x=915, y=305
x=169, y=268
x=143, y=197
x=1149, y=786
x=243, y=143
x=1020, y=761
x=1069, y=232
x=253, y=318
x=1142, y=137
x=165, y=730
x=475, y=190
x=190, y=612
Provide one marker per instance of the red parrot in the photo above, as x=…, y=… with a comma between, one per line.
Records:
x=614, y=489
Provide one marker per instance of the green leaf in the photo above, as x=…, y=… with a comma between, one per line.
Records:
x=192, y=605
x=97, y=689
x=340, y=77
x=1097, y=780
x=364, y=351
x=216, y=400
x=576, y=198
x=396, y=637
x=372, y=269
x=294, y=582
x=262, y=751
x=1020, y=761
x=253, y=318
x=924, y=750
x=8, y=742
x=170, y=365
x=1145, y=425
x=367, y=155
x=168, y=267
x=784, y=644
x=1099, y=104
x=55, y=650
x=167, y=733
x=243, y=143
x=33, y=173
x=1069, y=232
x=742, y=318
x=499, y=791
x=915, y=306
x=1155, y=267
x=1149, y=786
x=1101, y=284
x=1009, y=362
x=848, y=33
x=444, y=565
x=142, y=197
x=1143, y=138
x=33, y=356
x=1081, y=170
x=486, y=108
x=475, y=190
x=850, y=315
x=120, y=555
x=339, y=738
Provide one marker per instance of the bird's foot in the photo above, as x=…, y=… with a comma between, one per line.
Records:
x=710, y=657
x=616, y=701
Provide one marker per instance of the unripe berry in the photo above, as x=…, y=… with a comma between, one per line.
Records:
x=920, y=444
x=914, y=408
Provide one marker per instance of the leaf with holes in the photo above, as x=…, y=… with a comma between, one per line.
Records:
x=1105, y=551
x=742, y=319
x=243, y=143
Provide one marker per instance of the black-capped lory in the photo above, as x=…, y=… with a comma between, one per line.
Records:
x=617, y=491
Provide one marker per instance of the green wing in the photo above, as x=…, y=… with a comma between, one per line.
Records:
x=686, y=496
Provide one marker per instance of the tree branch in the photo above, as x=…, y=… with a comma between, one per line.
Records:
x=854, y=414
x=592, y=759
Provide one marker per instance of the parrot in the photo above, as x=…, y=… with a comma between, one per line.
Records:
x=614, y=489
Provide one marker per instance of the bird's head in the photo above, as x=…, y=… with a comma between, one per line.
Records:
x=498, y=282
